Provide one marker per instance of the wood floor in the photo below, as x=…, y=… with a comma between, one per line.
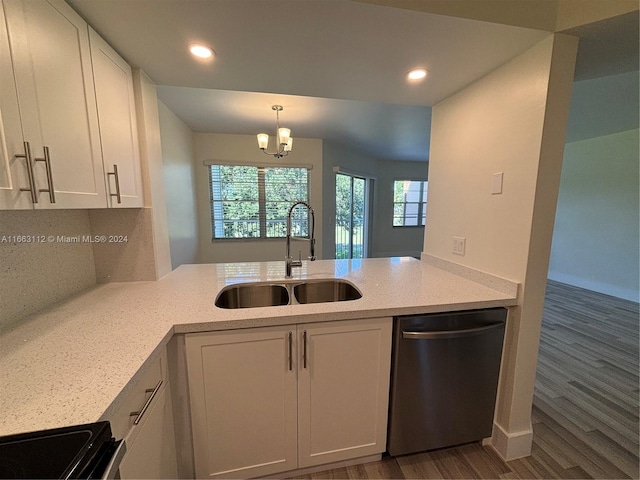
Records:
x=585, y=410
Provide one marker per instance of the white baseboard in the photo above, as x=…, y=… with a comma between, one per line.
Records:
x=511, y=445
x=618, y=291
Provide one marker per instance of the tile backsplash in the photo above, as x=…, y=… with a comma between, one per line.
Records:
x=42, y=259
x=48, y=255
x=127, y=254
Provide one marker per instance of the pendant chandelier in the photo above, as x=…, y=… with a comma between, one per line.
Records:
x=283, y=137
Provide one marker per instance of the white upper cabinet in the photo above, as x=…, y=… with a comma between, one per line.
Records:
x=14, y=171
x=68, y=132
x=49, y=45
x=117, y=122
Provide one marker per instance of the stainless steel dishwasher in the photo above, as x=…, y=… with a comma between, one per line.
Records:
x=444, y=378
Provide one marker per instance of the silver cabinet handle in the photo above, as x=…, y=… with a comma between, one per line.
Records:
x=290, y=351
x=141, y=413
x=115, y=175
x=111, y=471
x=32, y=183
x=409, y=335
x=47, y=164
x=304, y=349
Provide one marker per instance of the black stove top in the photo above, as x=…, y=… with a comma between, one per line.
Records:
x=69, y=452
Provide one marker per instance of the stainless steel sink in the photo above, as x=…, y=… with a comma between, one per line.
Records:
x=268, y=294
x=320, y=291
x=248, y=295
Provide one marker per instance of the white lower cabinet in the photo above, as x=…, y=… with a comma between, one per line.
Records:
x=143, y=417
x=268, y=400
x=243, y=401
x=343, y=393
x=151, y=452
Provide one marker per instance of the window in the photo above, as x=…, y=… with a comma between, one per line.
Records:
x=253, y=202
x=409, y=203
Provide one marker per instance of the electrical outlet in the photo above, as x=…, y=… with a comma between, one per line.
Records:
x=459, y=245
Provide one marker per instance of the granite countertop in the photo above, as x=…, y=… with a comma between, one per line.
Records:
x=66, y=364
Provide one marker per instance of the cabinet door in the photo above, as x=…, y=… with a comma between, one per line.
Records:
x=343, y=391
x=13, y=170
x=152, y=452
x=117, y=122
x=242, y=388
x=52, y=63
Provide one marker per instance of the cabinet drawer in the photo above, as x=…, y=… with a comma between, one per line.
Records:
x=151, y=450
x=134, y=396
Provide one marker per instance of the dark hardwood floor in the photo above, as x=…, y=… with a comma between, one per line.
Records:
x=585, y=409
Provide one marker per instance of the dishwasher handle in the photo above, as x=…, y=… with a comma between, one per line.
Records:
x=446, y=334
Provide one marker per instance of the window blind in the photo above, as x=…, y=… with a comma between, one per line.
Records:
x=253, y=202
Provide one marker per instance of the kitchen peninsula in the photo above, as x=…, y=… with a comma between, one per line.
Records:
x=70, y=363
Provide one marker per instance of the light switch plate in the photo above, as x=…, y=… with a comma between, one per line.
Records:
x=459, y=244
x=496, y=183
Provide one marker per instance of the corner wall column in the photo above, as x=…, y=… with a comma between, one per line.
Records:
x=512, y=121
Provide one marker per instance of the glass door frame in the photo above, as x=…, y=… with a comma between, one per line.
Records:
x=369, y=183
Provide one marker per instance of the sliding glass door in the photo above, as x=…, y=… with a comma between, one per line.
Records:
x=351, y=228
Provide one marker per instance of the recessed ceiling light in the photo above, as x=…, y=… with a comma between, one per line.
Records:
x=416, y=74
x=200, y=51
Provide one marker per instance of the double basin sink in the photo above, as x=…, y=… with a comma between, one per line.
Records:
x=270, y=294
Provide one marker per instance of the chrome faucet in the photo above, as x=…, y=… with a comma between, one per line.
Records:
x=290, y=263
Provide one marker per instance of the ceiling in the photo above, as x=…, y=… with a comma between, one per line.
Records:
x=338, y=67
x=607, y=47
x=381, y=130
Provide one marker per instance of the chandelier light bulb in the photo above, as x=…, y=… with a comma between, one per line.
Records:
x=289, y=145
x=263, y=141
x=284, y=134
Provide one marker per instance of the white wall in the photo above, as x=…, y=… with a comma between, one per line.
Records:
x=513, y=121
x=157, y=239
x=179, y=187
x=390, y=241
x=595, y=241
x=602, y=106
x=244, y=148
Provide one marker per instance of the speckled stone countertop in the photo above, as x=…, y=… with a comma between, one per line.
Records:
x=66, y=364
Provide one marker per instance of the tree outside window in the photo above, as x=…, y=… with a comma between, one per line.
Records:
x=253, y=202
